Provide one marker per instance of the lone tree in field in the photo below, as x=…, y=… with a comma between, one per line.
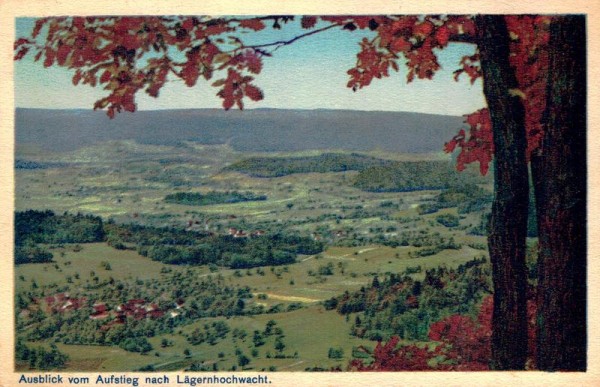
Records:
x=534, y=77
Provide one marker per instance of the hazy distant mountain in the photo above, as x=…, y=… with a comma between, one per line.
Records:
x=249, y=130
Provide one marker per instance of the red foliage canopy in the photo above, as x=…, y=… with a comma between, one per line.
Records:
x=130, y=54
x=416, y=39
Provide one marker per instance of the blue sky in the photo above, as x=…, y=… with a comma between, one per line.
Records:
x=308, y=74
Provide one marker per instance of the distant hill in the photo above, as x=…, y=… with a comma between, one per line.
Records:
x=259, y=130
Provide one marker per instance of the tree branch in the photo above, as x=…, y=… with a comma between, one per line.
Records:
x=281, y=43
x=462, y=38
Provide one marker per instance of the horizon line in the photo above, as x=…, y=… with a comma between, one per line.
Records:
x=238, y=110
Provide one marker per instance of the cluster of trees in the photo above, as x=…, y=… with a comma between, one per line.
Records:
x=272, y=330
x=403, y=176
x=213, y=197
x=420, y=239
x=28, y=164
x=272, y=337
x=47, y=227
x=76, y=328
x=40, y=357
x=326, y=162
x=448, y=220
x=441, y=245
x=32, y=253
x=33, y=228
x=466, y=197
x=136, y=344
x=335, y=353
x=177, y=246
x=399, y=305
x=211, y=333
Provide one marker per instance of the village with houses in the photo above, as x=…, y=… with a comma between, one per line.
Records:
x=114, y=314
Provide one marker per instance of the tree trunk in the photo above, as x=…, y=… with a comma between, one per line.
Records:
x=560, y=177
x=508, y=228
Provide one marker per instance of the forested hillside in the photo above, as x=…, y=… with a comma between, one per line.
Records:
x=413, y=176
x=327, y=162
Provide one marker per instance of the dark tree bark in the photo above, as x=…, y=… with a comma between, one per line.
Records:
x=560, y=177
x=508, y=228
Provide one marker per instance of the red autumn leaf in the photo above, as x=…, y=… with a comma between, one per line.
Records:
x=154, y=89
x=19, y=42
x=130, y=42
x=216, y=29
x=190, y=74
x=362, y=21
x=21, y=53
x=400, y=44
x=253, y=24
x=423, y=29
x=188, y=24
x=38, y=27
x=79, y=23
x=124, y=25
x=124, y=77
x=308, y=22
x=101, y=103
x=450, y=146
x=335, y=19
x=62, y=53
x=253, y=62
x=50, y=55
x=128, y=102
x=76, y=77
x=105, y=77
x=253, y=92
x=228, y=103
x=209, y=51
x=190, y=71
x=442, y=35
